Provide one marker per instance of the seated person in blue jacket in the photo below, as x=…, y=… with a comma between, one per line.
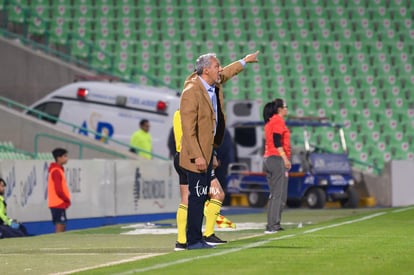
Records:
x=9, y=228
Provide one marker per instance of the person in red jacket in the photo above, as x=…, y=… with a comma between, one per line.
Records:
x=58, y=192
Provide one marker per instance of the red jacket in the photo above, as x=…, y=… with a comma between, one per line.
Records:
x=276, y=125
x=57, y=192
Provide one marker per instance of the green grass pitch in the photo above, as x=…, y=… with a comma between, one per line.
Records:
x=331, y=241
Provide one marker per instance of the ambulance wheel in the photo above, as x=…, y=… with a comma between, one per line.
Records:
x=257, y=198
x=316, y=198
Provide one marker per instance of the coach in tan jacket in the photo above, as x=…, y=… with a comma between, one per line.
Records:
x=203, y=123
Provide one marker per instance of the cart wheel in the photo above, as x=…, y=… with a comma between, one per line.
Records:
x=352, y=200
x=316, y=198
x=257, y=199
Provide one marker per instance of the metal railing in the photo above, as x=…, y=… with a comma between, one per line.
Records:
x=375, y=168
x=80, y=144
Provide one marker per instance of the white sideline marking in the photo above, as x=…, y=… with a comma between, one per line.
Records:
x=223, y=252
x=343, y=223
x=402, y=209
x=109, y=264
x=252, y=245
x=147, y=228
x=143, y=229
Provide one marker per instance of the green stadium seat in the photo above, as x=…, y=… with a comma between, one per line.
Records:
x=125, y=62
x=352, y=136
x=123, y=69
x=390, y=126
x=347, y=60
x=16, y=11
x=377, y=102
x=395, y=140
x=254, y=11
x=169, y=15
x=60, y=9
x=102, y=60
x=38, y=16
x=362, y=156
x=60, y=22
x=126, y=22
x=104, y=33
x=44, y=156
x=148, y=30
x=105, y=9
x=79, y=48
x=354, y=103
x=171, y=33
x=191, y=31
x=59, y=32
x=105, y=22
x=147, y=10
x=82, y=29
x=9, y=152
x=104, y=45
x=6, y=146
x=83, y=8
x=146, y=65
x=125, y=45
x=38, y=22
x=126, y=9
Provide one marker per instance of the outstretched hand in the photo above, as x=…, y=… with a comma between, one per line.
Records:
x=252, y=58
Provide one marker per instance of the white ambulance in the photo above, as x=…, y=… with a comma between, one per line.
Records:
x=112, y=109
x=247, y=139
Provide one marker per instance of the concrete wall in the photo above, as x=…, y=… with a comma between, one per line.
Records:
x=394, y=187
x=402, y=178
x=379, y=187
x=27, y=75
x=21, y=130
x=102, y=191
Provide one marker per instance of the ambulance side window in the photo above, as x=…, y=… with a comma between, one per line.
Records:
x=50, y=108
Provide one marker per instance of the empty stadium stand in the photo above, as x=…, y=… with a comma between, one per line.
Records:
x=349, y=60
x=8, y=151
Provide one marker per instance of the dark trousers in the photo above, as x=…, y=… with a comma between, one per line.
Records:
x=198, y=186
x=8, y=232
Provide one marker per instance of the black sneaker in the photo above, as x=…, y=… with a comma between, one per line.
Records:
x=213, y=240
x=180, y=246
x=199, y=245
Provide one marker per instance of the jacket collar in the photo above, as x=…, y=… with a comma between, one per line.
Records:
x=206, y=85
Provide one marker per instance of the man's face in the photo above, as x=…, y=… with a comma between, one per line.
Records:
x=2, y=188
x=145, y=127
x=63, y=159
x=213, y=72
